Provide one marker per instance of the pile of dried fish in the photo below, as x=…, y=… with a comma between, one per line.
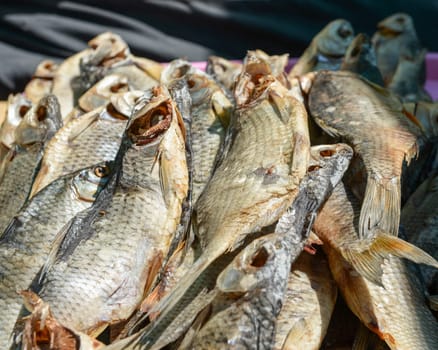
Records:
x=152, y=207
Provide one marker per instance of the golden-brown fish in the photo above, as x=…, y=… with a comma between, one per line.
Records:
x=339, y=102
x=326, y=50
x=377, y=285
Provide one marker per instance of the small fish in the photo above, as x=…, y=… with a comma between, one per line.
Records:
x=337, y=102
x=89, y=139
x=41, y=81
x=110, y=257
x=26, y=243
x=308, y=304
x=326, y=50
x=21, y=164
x=377, y=285
x=407, y=81
x=361, y=59
x=395, y=37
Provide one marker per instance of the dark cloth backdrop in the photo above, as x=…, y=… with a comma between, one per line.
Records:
x=32, y=30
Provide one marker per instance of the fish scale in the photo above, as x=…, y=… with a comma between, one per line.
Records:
x=26, y=243
x=113, y=262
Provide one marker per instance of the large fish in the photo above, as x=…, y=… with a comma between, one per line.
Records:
x=91, y=138
x=361, y=59
x=338, y=102
x=41, y=82
x=246, y=296
x=326, y=50
x=308, y=304
x=380, y=289
x=26, y=243
x=396, y=37
x=110, y=257
x=21, y=163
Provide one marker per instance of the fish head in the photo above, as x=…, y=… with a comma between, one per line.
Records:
x=395, y=25
x=252, y=267
x=253, y=81
x=335, y=38
x=17, y=108
x=108, y=49
x=46, y=70
x=175, y=70
x=152, y=117
x=40, y=123
x=88, y=183
x=100, y=93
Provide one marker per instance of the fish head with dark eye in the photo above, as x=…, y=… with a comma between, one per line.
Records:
x=198, y=85
x=252, y=267
x=395, y=24
x=40, y=123
x=335, y=38
x=175, y=70
x=88, y=183
x=150, y=122
x=253, y=81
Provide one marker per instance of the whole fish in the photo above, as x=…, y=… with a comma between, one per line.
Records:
x=21, y=164
x=420, y=224
x=326, y=50
x=110, y=257
x=16, y=109
x=380, y=289
x=361, y=59
x=396, y=37
x=247, y=295
x=308, y=304
x=338, y=102
x=26, y=243
x=407, y=81
x=91, y=138
x=41, y=81
x=266, y=166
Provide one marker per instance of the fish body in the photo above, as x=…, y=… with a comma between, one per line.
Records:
x=26, y=243
x=89, y=139
x=101, y=276
x=395, y=37
x=360, y=58
x=379, y=287
x=338, y=102
x=41, y=82
x=308, y=304
x=326, y=50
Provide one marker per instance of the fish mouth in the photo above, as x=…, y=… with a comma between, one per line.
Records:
x=147, y=127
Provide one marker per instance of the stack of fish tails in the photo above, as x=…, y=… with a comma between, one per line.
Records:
x=181, y=209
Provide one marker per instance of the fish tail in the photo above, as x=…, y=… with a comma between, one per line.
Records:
x=380, y=207
x=368, y=262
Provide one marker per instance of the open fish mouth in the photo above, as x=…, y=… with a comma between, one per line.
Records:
x=147, y=127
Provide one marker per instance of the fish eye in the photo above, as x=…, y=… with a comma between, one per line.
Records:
x=23, y=110
x=41, y=113
x=101, y=171
x=191, y=83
